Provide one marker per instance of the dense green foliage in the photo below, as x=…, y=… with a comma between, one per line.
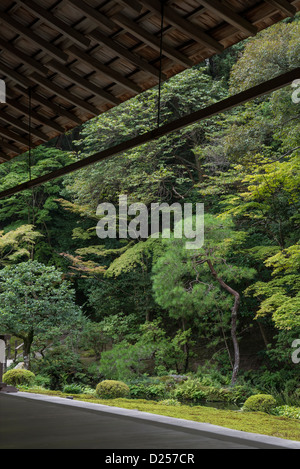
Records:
x=90, y=310
x=18, y=377
x=260, y=403
x=110, y=389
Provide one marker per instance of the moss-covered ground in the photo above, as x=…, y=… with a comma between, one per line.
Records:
x=253, y=422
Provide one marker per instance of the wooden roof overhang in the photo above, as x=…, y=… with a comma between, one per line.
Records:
x=66, y=61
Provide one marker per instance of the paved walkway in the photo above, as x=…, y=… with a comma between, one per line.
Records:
x=31, y=421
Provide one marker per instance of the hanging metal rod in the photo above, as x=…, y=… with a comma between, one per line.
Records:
x=217, y=108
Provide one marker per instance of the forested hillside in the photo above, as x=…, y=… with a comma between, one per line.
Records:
x=129, y=309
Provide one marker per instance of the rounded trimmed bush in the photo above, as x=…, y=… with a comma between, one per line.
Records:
x=19, y=377
x=110, y=389
x=260, y=403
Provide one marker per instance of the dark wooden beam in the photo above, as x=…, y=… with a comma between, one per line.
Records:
x=9, y=147
x=151, y=40
x=22, y=126
x=3, y=156
x=69, y=97
x=94, y=15
x=15, y=76
x=82, y=82
x=49, y=104
x=230, y=16
x=56, y=23
x=210, y=111
x=187, y=27
x=133, y=5
x=35, y=116
x=31, y=63
x=122, y=52
x=284, y=6
x=8, y=134
x=103, y=69
x=24, y=31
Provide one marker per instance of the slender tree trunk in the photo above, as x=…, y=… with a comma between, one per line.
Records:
x=26, y=350
x=234, y=313
x=185, y=349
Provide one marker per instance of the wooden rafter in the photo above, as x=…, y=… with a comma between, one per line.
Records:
x=94, y=15
x=55, y=22
x=152, y=41
x=30, y=62
x=230, y=16
x=82, y=82
x=9, y=147
x=79, y=58
x=121, y=51
x=15, y=76
x=187, y=27
x=35, y=116
x=133, y=5
x=49, y=104
x=284, y=6
x=65, y=94
x=4, y=116
x=46, y=46
x=10, y=135
x=103, y=69
x=4, y=157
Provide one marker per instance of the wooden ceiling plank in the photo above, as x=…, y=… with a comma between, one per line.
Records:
x=49, y=104
x=82, y=82
x=230, y=16
x=12, y=136
x=284, y=6
x=46, y=46
x=103, y=69
x=94, y=15
x=55, y=22
x=4, y=157
x=121, y=51
x=22, y=126
x=71, y=98
x=15, y=76
x=180, y=23
x=35, y=116
x=25, y=59
x=9, y=147
x=151, y=40
x=133, y=5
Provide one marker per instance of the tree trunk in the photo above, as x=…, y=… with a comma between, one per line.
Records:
x=26, y=350
x=234, y=313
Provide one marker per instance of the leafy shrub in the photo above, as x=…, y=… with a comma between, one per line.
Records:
x=72, y=389
x=260, y=403
x=110, y=389
x=190, y=390
x=287, y=411
x=62, y=366
x=19, y=377
x=171, y=402
x=148, y=391
x=42, y=381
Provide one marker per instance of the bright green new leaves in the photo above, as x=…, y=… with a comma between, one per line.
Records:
x=16, y=245
x=281, y=295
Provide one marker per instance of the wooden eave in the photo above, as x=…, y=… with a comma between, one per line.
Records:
x=67, y=61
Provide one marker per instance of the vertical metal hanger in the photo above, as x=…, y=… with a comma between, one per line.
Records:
x=160, y=58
